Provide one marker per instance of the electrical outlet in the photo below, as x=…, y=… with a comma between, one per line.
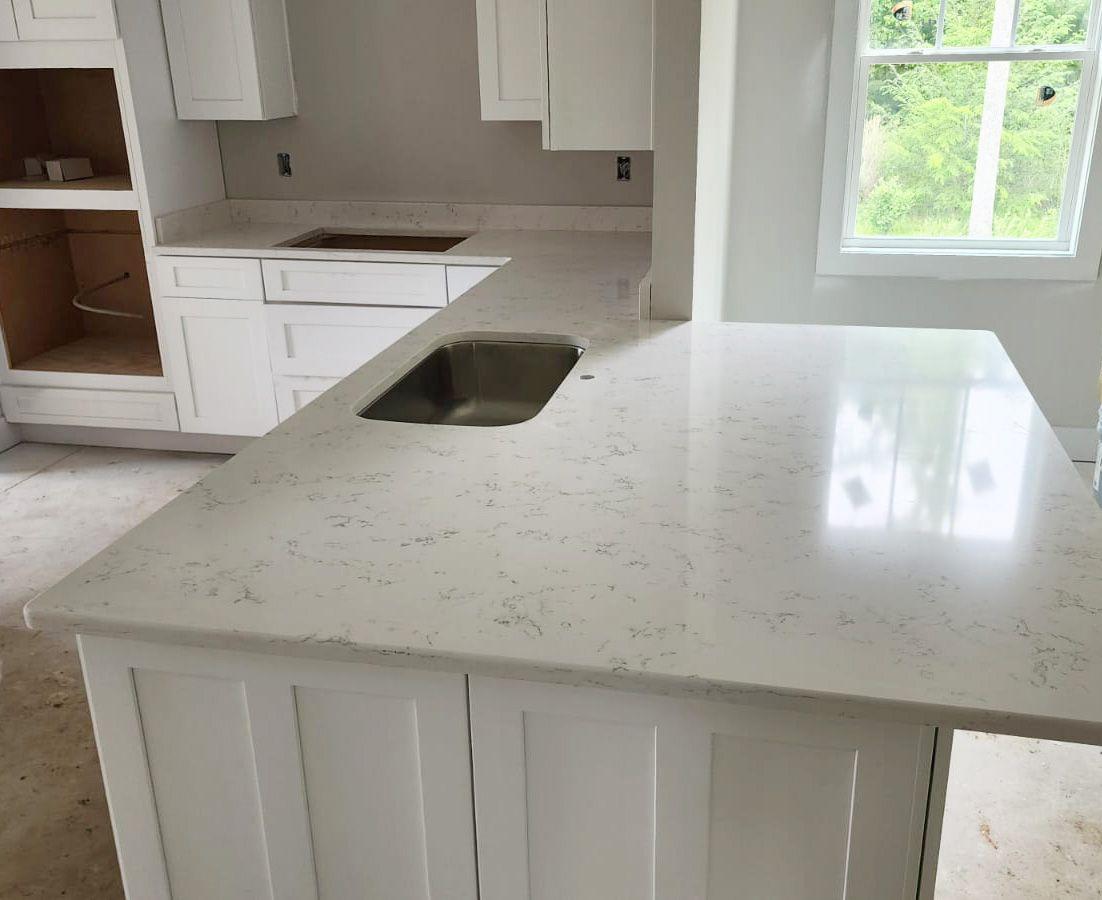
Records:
x=623, y=168
x=283, y=160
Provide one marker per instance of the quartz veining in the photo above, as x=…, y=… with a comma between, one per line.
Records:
x=873, y=521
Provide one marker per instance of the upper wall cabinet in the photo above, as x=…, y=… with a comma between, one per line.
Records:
x=7, y=22
x=230, y=59
x=509, y=59
x=599, y=63
x=584, y=69
x=63, y=20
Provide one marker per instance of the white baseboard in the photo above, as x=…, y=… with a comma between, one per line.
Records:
x=133, y=439
x=1081, y=444
x=9, y=434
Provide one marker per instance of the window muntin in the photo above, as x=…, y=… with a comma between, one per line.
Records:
x=962, y=146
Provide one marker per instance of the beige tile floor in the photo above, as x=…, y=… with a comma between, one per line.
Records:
x=1024, y=818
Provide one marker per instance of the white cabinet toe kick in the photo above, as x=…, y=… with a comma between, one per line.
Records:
x=232, y=774
x=252, y=341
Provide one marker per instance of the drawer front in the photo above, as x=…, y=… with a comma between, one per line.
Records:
x=462, y=278
x=144, y=410
x=333, y=341
x=210, y=278
x=364, y=284
x=293, y=392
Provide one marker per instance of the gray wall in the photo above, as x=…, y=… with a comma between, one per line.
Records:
x=389, y=110
x=1052, y=330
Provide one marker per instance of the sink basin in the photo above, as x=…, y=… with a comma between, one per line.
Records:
x=477, y=382
x=351, y=240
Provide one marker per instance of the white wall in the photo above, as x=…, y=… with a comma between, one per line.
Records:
x=676, y=79
x=1052, y=331
x=389, y=110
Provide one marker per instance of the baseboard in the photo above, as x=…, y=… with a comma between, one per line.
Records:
x=133, y=439
x=9, y=434
x=1081, y=444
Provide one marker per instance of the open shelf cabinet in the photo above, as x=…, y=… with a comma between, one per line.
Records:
x=66, y=112
x=46, y=258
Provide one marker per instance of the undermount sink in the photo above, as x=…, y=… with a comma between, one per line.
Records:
x=477, y=382
x=354, y=240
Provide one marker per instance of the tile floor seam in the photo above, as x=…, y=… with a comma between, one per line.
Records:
x=39, y=471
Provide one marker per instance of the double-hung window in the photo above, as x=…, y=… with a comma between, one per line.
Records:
x=960, y=139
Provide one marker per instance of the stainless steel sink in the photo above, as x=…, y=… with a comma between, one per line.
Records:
x=354, y=240
x=477, y=382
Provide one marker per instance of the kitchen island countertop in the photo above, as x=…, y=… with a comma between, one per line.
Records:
x=867, y=521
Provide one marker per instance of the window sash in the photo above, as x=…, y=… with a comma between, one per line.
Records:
x=1087, y=55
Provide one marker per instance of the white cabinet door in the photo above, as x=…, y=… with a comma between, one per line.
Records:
x=509, y=59
x=236, y=776
x=293, y=392
x=36, y=405
x=8, y=30
x=230, y=59
x=218, y=355
x=462, y=278
x=65, y=20
x=593, y=794
x=333, y=341
x=599, y=65
x=358, y=283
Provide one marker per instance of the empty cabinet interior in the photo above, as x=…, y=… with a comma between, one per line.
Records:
x=48, y=259
x=62, y=112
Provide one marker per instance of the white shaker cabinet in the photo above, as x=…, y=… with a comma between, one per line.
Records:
x=509, y=76
x=218, y=354
x=65, y=20
x=462, y=278
x=599, y=62
x=8, y=31
x=593, y=794
x=230, y=59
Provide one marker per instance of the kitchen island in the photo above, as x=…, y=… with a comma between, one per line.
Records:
x=699, y=628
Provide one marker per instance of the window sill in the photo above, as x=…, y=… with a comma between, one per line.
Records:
x=958, y=265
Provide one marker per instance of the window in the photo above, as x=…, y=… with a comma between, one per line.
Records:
x=959, y=139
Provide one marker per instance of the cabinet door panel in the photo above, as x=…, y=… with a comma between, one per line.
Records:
x=600, y=62
x=256, y=776
x=210, y=277
x=220, y=368
x=230, y=59
x=65, y=20
x=293, y=392
x=509, y=59
x=689, y=800
x=8, y=31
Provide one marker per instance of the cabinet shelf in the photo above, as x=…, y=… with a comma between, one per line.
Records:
x=100, y=355
x=100, y=192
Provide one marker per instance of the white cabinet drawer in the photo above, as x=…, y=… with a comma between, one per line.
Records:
x=293, y=392
x=212, y=278
x=462, y=278
x=144, y=410
x=333, y=341
x=365, y=284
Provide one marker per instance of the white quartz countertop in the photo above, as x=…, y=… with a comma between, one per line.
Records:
x=265, y=240
x=867, y=521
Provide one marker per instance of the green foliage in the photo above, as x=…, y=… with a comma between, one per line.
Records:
x=923, y=124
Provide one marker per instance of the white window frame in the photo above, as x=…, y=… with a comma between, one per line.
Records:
x=1074, y=256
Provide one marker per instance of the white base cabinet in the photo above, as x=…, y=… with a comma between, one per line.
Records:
x=235, y=775
x=220, y=366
